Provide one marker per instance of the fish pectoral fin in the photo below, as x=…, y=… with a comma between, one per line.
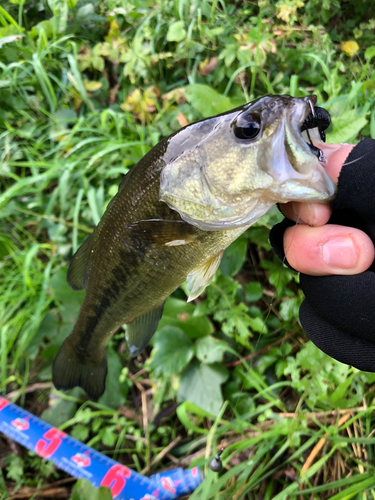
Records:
x=139, y=332
x=78, y=272
x=68, y=372
x=199, y=279
x=164, y=232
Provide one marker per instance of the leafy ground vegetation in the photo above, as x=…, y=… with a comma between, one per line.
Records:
x=87, y=87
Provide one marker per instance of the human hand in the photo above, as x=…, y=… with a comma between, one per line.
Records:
x=338, y=312
x=316, y=248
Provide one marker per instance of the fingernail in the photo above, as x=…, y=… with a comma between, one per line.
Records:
x=340, y=252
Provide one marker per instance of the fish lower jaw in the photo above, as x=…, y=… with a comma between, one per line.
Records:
x=291, y=191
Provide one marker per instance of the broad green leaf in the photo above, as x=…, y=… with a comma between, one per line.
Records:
x=206, y=100
x=172, y=351
x=229, y=54
x=265, y=362
x=84, y=490
x=279, y=275
x=210, y=350
x=369, y=53
x=280, y=367
x=201, y=384
x=65, y=116
x=173, y=308
x=92, y=86
x=44, y=26
x=176, y=32
x=55, y=329
x=60, y=409
x=15, y=472
x=70, y=300
x=114, y=391
x=289, y=308
x=346, y=127
x=234, y=257
x=180, y=314
x=72, y=3
x=108, y=435
x=258, y=325
x=60, y=14
x=197, y=327
x=253, y=291
x=85, y=12
x=80, y=432
x=51, y=329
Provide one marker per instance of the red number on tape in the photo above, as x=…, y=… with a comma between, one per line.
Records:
x=3, y=403
x=47, y=447
x=115, y=479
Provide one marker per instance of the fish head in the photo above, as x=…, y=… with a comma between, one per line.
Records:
x=227, y=171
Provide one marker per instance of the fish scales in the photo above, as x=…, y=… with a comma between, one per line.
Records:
x=175, y=213
x=134, y=277
x=158, y=270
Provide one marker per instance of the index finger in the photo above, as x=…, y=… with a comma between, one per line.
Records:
x=317, y=214
x=335, y=154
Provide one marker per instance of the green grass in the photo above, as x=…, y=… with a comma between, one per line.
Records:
x=85, y=92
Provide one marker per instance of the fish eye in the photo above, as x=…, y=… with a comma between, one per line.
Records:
x=246, y=126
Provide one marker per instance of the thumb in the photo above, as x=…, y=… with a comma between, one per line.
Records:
x=328, y=250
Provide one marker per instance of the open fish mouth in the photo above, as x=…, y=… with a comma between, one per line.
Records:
x=313, y=129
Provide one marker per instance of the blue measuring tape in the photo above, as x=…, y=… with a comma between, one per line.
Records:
x=81, y=461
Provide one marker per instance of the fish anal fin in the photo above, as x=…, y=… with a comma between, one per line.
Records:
x=164, y=232
x=78, y=270
x=199, y=279
x=139, y=332
x=68, y=372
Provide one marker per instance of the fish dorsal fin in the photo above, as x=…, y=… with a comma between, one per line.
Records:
x=139, y=332
x=164, y=232
x=78, y=269
x=201, y=277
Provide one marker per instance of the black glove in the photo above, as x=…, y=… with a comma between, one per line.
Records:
x=338, y=313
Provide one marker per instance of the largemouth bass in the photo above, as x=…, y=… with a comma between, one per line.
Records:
x=175, y=213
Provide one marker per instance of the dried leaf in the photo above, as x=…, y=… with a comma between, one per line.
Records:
x=182, y=120
x=92, y=86
x=208, y=66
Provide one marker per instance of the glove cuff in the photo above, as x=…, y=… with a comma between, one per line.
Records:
x=337, y=343
x=356, y=184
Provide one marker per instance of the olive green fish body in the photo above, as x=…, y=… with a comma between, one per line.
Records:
x=134, y=272
x=174, y=214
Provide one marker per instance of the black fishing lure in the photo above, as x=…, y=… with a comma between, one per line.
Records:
x=321, y=119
